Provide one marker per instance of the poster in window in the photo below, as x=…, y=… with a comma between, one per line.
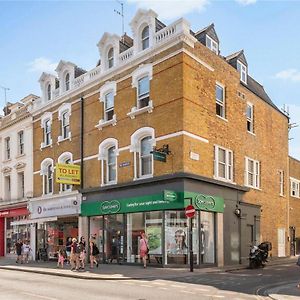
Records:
x=176, y=240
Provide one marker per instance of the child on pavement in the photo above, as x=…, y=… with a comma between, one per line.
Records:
x=60, y=258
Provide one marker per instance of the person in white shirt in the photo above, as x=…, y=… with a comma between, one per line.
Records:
x=26, y=251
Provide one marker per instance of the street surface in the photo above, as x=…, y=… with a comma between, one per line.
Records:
x=277, y=280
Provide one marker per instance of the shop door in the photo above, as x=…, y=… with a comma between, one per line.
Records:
x=207, y=238
x=114, y=238
x=281, y=242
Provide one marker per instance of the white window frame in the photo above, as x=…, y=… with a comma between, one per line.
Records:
x=46, y=116
x=108, y=87
x=103, y=157
x=66, y=108
x=7, y=154
x=135, y=147
x=141, y=157
x=110, y=59
x=45, y=165
x=214, y=46
x=7, y=181
x=21, y=185
x=67, y=82
x=107, y=110
x=281, y=182
x=49, y=92
x=242, y=68
x=47, y=133
x=256, y=173
x=219, y=102
x=295, y=187
x=251, y=119
x=140, y=73
x=145, y=38
x=107, y=165
x=228, y=164
x=21, y=145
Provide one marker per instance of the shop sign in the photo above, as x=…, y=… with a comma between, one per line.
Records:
x=14, y=212
x=160, y=156
x=130, y=205
x=67, y=174
x=170, y=195
x=54, y=207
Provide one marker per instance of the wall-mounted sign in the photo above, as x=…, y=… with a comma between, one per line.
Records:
x=170, y=195
x=67, y=174
x=124, y=164
x=160, y=156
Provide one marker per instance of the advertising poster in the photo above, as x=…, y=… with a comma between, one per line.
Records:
x=176, y=240
x=154, y=234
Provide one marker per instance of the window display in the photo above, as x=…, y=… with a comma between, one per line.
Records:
x=207, y=237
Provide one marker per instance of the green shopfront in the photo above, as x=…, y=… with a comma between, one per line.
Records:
x=117, y=224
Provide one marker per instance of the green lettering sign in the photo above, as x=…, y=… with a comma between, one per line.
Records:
x=170, y=195
x=205, y=202
x=110, y=207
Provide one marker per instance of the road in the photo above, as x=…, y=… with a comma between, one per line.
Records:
x=238, y=285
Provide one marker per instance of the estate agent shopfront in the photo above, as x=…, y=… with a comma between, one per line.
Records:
x=119, y=223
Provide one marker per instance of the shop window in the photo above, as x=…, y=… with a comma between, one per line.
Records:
x=207, y=237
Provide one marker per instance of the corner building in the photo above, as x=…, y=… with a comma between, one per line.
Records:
x=167, y=121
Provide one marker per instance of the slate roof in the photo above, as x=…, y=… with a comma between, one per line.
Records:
x=159, y=25
x=79, y=71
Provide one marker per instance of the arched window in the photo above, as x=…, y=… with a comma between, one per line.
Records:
x=47, y=173
x=110, y=58
x=108, y=152
x=47, y=132
x=145, y=38
x=67, y=82
x=111, y=165
x=146, y=156
x=49, y=92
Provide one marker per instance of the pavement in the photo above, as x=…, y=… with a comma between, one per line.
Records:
x=286, y=291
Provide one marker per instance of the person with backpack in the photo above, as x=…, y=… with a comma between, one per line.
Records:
x=75, y=253
x=94, y=252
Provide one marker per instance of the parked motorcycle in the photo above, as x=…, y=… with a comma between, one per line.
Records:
x=259, y=254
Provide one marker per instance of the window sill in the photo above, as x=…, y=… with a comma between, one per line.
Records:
x=137, y=111
x=60, y=139
x=65, y=192
x=102, y=123
x=20, y=155
x=280, y=195
x=251, y=133
x=109, y=183
x=253, y=187
x=224, y=180
x=222, y=118
x=143, y=177
x=47, y=195
x=6, y=160
x=295, y=197
x=45, y=146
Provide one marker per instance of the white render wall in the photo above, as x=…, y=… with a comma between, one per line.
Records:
x=26, y=159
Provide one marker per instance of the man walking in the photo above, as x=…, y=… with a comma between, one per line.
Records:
x=18, y=249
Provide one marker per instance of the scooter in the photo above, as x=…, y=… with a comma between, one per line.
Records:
x=258, y=256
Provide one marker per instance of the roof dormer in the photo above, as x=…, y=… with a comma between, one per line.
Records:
x=143, y=26
x=209, y=38
x=66, y=75
x=239, y=62
x=48, y=85
x=109, y=48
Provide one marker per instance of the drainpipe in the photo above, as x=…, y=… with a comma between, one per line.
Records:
x=81, y=142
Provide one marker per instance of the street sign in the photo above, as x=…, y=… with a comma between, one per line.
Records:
x=190, y=211
x=160, y=156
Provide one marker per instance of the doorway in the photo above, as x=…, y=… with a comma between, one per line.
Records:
x=281, y=242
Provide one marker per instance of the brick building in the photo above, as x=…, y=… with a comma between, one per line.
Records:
x=294, y=205
x=212, y=128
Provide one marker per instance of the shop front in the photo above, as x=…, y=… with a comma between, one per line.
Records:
x=11, y=232
x=117, y=225
x=55, y=220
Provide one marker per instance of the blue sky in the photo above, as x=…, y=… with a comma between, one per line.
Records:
x=35, y=35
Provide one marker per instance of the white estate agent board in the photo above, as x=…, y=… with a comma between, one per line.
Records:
x=55, y=207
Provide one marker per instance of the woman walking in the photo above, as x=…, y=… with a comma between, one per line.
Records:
x=94, y=251
x=82, y=253
x=144, y=248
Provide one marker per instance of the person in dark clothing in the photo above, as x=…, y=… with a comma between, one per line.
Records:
x=18, y=247
x=68, y=248
x=114, y=249
x=82, y=255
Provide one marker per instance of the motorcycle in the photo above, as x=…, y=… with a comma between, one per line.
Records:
x=258, y=256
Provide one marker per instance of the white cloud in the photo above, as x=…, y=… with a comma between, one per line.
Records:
x=295, y=132
x=289, y=74
x=170, y=9
x=246, y=2
x=42, y=64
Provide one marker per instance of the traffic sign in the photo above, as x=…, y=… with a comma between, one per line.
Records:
x=190, y=211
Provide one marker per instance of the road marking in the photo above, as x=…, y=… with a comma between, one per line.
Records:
x=39, y=296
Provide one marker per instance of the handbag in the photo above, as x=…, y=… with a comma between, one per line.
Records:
x=298, y=261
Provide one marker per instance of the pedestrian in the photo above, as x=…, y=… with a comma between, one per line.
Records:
x=18, y=249
x=74, y=256
x=60, y=257
x=26, y=251
x=94, y=252
x=144, y=249
x=114, y=249
x=82, y=255
x=68, y=248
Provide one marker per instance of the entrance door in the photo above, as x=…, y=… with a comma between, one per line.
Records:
x=114, y=238
x=207, y=237
x=281, y=242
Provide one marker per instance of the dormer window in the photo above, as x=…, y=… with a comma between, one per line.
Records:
x=110, y=58
x=211, y=44
x=49, y=92
x=145, y=38
x=243, y=71
x=67, y=82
